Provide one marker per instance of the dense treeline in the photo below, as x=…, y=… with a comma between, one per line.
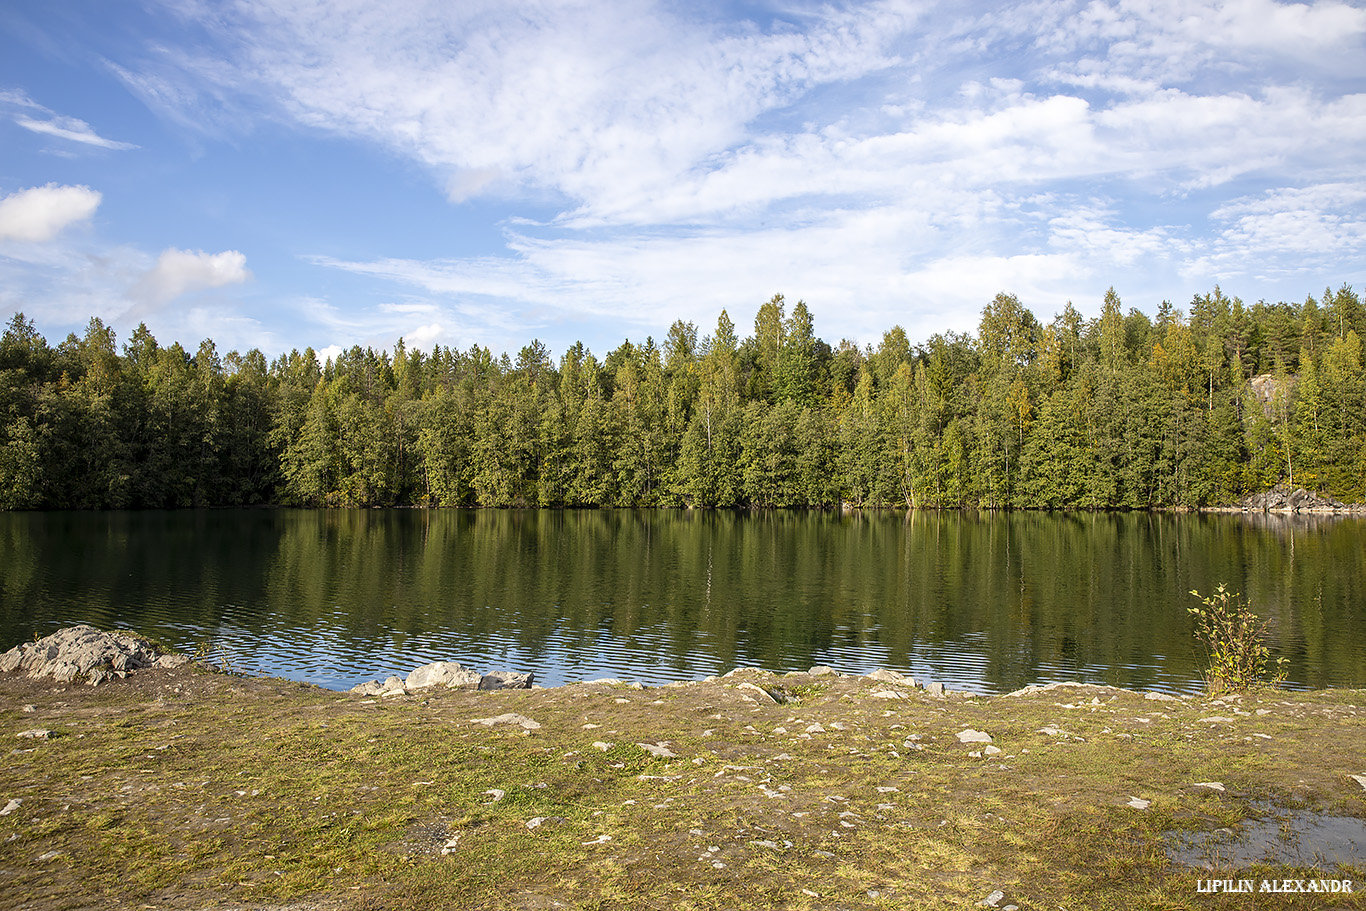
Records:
x=1126, y=410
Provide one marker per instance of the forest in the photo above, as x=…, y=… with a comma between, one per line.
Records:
x=1181, y=409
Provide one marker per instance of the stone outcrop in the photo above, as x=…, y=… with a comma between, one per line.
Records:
x=449, y=674
x=1283, y=498
x=83, y=651
x=444, y=674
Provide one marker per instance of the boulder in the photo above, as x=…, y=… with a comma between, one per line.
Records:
x=505, y=680
x=83, y=651
x=449, y=674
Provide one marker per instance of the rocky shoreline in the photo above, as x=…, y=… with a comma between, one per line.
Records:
x=1286, y=500
x=85, y=653
x=94, y=656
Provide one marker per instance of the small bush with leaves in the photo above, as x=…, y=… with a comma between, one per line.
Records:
x=1235, y=639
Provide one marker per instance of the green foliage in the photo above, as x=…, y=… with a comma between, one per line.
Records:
x=1235, y=641
x=1120, y=411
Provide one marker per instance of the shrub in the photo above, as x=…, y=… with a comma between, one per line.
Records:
x=1235, y=640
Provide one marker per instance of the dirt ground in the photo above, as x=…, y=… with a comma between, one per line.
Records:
x=187, y=788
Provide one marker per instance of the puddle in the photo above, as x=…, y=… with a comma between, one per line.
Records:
x=1291, y=837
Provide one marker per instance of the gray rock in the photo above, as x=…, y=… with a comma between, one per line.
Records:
x=823, y=670
x=758, y=693
x=36, y=734
x=505, y=680
x=992, y=900
x=368, y=688
x=449, y=674
x=171, y=662
x=935, y=689
x=508, y=718
x=14, y=804
x=886, y=675
x=81, y=651
x=392, y=686
x=659, y=751
x=536, y=822
x=971, y=736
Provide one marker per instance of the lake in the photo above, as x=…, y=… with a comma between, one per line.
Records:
x=984, y=602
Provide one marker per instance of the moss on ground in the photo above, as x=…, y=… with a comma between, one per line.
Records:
x=190, y=789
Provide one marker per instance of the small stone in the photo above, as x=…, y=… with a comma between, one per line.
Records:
x=13, y=805
x=971, y=736
x=1160, y=697
x=935, y=689
x=659, y=751
x=887, y=694
x=1212, y=785
x=508, y=718
x=1359, y=779
x=884, y=675
x=50, y=855
x=600, y=840
x=496, y=793
x=1138, y=803
x=822, y=670
x=992, y=751
x=602, y=745
x=992, y=900
x=450, y=846
x=816, y=728
x=1217, y=719
x=537, y=821
x=29, y=708
x=35, y=734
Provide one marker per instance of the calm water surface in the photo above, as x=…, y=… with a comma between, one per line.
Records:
x=982, y=602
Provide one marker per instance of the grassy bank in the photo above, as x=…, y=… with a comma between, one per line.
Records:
x=189, y=789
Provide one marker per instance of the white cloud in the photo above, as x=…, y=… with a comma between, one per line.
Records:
x=1287, y=231
x=889, y=162
x=38, y=214
x=42, y=120
x=72, y=129
x=179, y=271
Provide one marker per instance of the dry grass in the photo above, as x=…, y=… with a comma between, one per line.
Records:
x=188, y=789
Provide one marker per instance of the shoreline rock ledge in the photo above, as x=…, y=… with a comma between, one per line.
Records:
x=84, y=651
x=448, y=674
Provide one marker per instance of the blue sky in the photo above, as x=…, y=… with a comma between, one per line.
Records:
x=285, y=173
